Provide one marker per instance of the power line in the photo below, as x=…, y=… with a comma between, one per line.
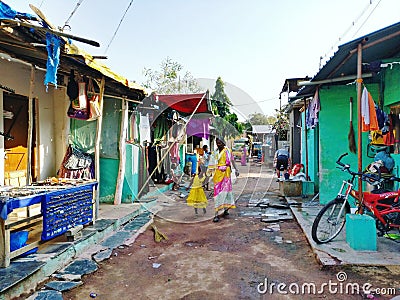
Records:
x=348, y=29
x=367, y=18
x=256, y=102
x=115, y=33
x=72, y=13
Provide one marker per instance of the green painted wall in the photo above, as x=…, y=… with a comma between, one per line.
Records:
x=108, y=177
x=392, y=78
x=312, y=150
x=333, y=137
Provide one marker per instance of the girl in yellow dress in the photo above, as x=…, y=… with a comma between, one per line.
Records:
x=197, y=198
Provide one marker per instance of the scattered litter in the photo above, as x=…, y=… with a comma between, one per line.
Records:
x=274, y=227
x=268, y=229
x=152, y=257
x=158, y=236
x=115, y=254
x=156, y=265
x=278, y=205
x=339, y=250
x=182, y=195
x=142, y=246
x=129, y=254
x=289, y=242
x=279, y=239
x=93, y=295
x=121, y=247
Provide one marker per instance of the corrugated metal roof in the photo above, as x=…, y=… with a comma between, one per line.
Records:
x=379, y=45
x=28, y=45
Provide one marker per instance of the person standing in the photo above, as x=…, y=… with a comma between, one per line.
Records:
x=223, y=195
x=197, y=198
x=243, y=159
x=205, y=159
x=281, y=162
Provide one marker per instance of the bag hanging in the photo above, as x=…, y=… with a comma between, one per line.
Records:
x=233, y=175
x=94, y=104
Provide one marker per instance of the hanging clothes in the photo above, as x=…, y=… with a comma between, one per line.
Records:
x=144, y=129
x=53, y=59
x=312, y=111
x=388, y=139
x=199, y=128
x=368, y=113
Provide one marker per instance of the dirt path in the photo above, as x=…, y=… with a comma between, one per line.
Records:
x=233, y=259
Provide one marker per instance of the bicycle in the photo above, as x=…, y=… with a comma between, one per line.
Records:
x=381, y=204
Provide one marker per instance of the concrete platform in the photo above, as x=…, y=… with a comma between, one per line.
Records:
x=338, y=251
x=116, y=225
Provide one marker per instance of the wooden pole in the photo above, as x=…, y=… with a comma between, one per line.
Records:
x=359, y=117
x=305, y=137
x=122, y=154
x=97, y=146
x=30, y=127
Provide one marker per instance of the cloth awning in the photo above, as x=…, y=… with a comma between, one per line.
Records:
x=186, y=103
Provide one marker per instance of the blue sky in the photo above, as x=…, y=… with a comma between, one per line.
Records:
x=254, y=45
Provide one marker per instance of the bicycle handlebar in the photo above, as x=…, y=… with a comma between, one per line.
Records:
x=364, y=176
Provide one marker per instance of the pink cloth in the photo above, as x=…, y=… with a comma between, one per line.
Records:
x=199, y=128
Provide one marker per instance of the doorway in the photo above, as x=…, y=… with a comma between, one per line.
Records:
x=15, y=124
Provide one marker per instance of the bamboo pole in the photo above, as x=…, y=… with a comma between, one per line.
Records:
x=359, y=118
x=97, y=146
x=169, y=148
x=122, y=154
x=30, y=127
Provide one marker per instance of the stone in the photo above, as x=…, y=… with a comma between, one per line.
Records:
x=62, y=286
x=102, y=255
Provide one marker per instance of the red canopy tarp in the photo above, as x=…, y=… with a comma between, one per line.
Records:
x=187, y=103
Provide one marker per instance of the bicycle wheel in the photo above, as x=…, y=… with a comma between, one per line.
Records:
x=328, y=223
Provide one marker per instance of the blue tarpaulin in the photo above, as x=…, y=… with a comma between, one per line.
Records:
x=53, y=58
x=6, y=12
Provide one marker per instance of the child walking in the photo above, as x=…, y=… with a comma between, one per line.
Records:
x=197, y=198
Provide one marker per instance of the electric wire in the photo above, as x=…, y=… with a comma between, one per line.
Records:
x=348, y=30
x=367, y=18
x=120, y=22
x=72, y=13
x=252, y=103
x=41, y=3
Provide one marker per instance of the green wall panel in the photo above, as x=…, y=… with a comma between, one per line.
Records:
x=108, y=179
x=333, y=136
x=392, y=79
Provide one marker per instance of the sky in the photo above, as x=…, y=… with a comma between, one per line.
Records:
x=253, y=45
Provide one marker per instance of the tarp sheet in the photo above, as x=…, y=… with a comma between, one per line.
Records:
x=187, y=103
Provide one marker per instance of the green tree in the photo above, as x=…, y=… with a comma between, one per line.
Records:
x=225, y=122
x=170, y=80
x=281, y=125
x=258, y=119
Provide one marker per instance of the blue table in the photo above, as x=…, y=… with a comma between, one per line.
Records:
x=61, y=209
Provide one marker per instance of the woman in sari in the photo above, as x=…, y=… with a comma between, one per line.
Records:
x=223, y=195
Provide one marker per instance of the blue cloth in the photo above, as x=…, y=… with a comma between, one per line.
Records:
x=6, y=12
x=53, y=58
x=387, y=160
x=193, y=159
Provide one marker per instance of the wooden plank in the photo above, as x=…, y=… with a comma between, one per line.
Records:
x=4, y=245
x=122, y=154
x=97, y=146
x=24, y=249
x=26, y=220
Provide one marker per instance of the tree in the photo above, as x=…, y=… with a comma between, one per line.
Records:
x=226, y=122
x=258, y=119
x=169, y=80
x=281, y=125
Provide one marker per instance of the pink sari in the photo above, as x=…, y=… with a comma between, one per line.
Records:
x=223, y=195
